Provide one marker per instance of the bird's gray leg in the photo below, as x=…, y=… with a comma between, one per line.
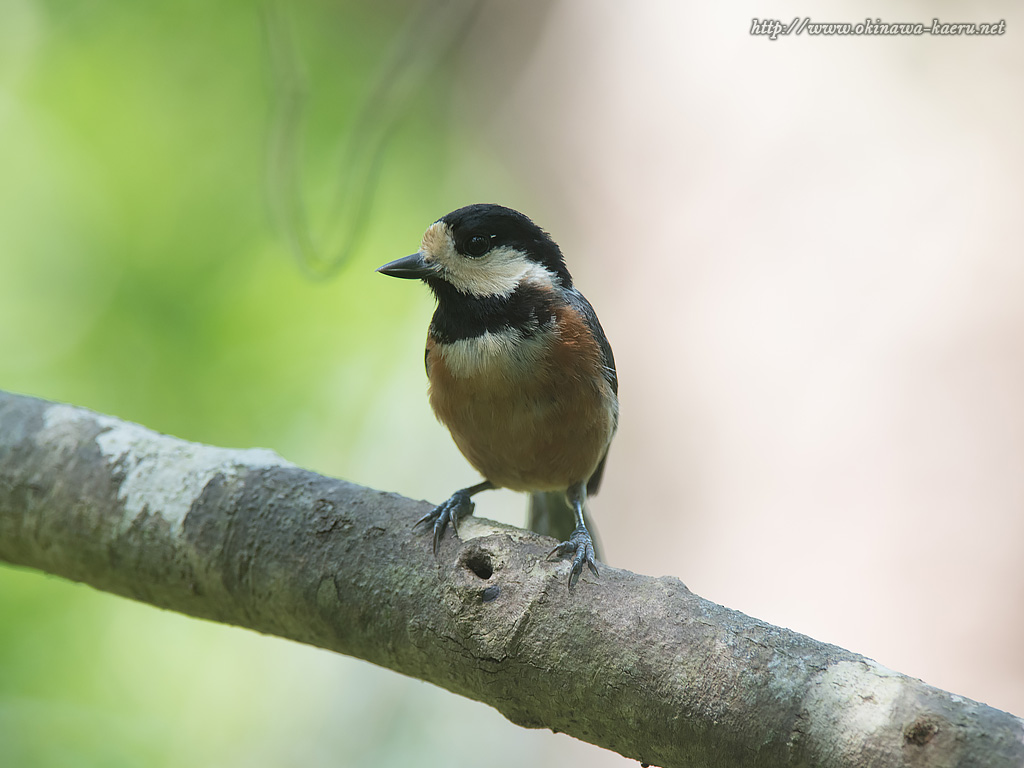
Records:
x=580, y=543
x=457, y=507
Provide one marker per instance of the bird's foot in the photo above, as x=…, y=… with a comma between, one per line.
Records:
x=582, y=545
x=457, y=507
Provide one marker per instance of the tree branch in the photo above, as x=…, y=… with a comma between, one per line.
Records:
x=635, y=664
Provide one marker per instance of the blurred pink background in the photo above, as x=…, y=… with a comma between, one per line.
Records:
x=808, y=256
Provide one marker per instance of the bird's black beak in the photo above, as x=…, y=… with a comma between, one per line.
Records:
x=409, y=267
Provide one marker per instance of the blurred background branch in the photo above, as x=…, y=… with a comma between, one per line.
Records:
x=429, y=33
x=630, y=663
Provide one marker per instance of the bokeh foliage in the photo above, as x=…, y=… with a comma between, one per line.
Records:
x=140, y=275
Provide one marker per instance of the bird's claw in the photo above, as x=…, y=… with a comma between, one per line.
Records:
x=582, y=545
x=451, y=511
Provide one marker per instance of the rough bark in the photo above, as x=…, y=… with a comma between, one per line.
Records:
x=635, y=664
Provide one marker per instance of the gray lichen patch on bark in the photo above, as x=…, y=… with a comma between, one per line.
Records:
x=853, y=700
x=160, y=475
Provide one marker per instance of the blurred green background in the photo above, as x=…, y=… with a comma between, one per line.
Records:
x=141, y=276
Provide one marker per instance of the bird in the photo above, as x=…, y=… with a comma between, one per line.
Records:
x=519, y=370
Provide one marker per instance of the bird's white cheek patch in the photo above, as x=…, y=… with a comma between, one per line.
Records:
x=498, y=273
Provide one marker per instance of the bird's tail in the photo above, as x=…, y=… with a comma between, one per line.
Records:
x=552, y=515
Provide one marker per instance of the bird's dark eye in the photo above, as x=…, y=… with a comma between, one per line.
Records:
x=478, y=245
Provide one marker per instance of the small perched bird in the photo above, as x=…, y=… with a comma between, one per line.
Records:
x=520, y=370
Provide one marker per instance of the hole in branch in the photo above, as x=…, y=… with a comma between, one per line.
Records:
x=479, y=562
